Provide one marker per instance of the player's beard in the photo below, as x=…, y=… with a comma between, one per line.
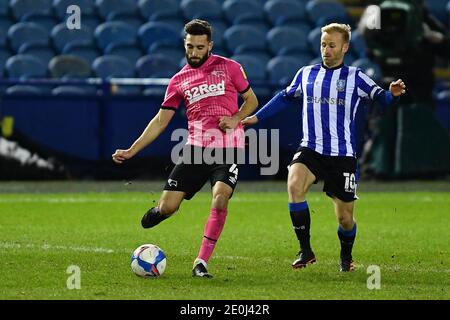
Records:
x=198, y=63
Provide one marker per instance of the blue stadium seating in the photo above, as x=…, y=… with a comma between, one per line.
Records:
x=3, y=37
x=26, y=32
x=358, y=45
x=69, y=66
x=156, y=66
x=218, y=29
x=4, y=8
x=107, y=9
x=173, y=52
x=62, y=36
x=44, y=20
x=370, y=68
x=254, y=21
x=202, y=9
x=114, y=32
x=281, y=11
x=253, y=67
x=442, y=111
x=281, y=70
x=86, y=51
x=73, y=90
x=42, y=51
x=20, y=8
x=438, y=9
x=314, y=37
x=5, y=53
x=87, y=8
x=304, y=58
x=156, y=9
x=23, y=66
x=285, y=38
x=158, y=32
x=238, y=37
x=234, y=9
x=324, y=12
x=5, y=23
x=132, y=20
x=24, y=90
x=128, y=51
x=109, y=66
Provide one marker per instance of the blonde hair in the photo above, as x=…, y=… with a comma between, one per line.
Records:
x=343, y=29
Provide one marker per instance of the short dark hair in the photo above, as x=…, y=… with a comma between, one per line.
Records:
x=198, y=27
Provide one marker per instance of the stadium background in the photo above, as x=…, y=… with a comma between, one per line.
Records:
x=68, y=98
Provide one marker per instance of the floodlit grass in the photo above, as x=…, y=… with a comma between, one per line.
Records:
x=405, y=234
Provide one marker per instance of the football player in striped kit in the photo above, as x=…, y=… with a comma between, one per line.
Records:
x=330, y=93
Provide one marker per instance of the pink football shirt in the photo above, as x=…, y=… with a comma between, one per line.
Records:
x=209, y=93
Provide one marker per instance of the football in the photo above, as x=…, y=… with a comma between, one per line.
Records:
x=148, y=260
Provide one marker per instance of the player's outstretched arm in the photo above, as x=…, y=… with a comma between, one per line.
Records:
x=397, y=88
x=275, y=105
x=155, y=127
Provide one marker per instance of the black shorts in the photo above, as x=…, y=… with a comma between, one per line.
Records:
x=190, y=178
x=340, y=174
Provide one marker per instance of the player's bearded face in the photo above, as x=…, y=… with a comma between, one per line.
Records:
x=198, y=49
x=333, y=49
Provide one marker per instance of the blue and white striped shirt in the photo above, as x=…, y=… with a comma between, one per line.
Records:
x=330, y=100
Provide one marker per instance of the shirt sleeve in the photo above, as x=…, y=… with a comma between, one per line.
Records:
x=367, y=88
x=238, y=77
x=172, y=97
x=294, y=90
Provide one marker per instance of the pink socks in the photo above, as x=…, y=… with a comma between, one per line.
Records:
x=213, y=229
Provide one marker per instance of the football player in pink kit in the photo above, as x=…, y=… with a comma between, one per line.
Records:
x=209, y=86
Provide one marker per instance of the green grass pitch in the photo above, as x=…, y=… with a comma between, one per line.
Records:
x=405, y=234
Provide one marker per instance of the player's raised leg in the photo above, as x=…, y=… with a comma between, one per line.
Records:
x=300, y=178
x=346, y=232
x=168, y=204
x=221, y=193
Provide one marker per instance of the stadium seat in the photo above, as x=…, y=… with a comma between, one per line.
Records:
x=42, y=51
x=349, y=58
x=158, y=32
x=281, y=70
x=438, y=8
x=62, y=36
x=114, y=32
x=73, y=90
x=109, y=66
x=86, y=51
x=132, y=20
x=5, y=23
x=314, y=37
x=358, y=45
x=5, y=53
x=87, y=7
x=23, y=66
x=303, y=57
x=156, y=9
x=173, y=52
x=107, y=9
x=43, y=20
x=24, y=90
x=156, y=66
x=370, y=68
x=279, y=12
x=238, y=37
x=253, y=21
x=201, y=9
x=21, y=8
x=218, y=29
x=4, y=8
x=3, y=37
x=26, y=32
x=326, y=11
x=130, y=52
x=442, y=110
x=253, y=67
x=284, y=38
x=69, y=66
x=234, y=9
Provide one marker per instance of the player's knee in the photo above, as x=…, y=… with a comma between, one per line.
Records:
x=346, y=221
x=296, y=189
x=220, y=200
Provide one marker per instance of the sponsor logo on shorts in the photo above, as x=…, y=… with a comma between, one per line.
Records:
x=172, y=183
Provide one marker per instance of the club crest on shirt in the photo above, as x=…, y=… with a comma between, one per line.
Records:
x=340, y=85
x=218, y=73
